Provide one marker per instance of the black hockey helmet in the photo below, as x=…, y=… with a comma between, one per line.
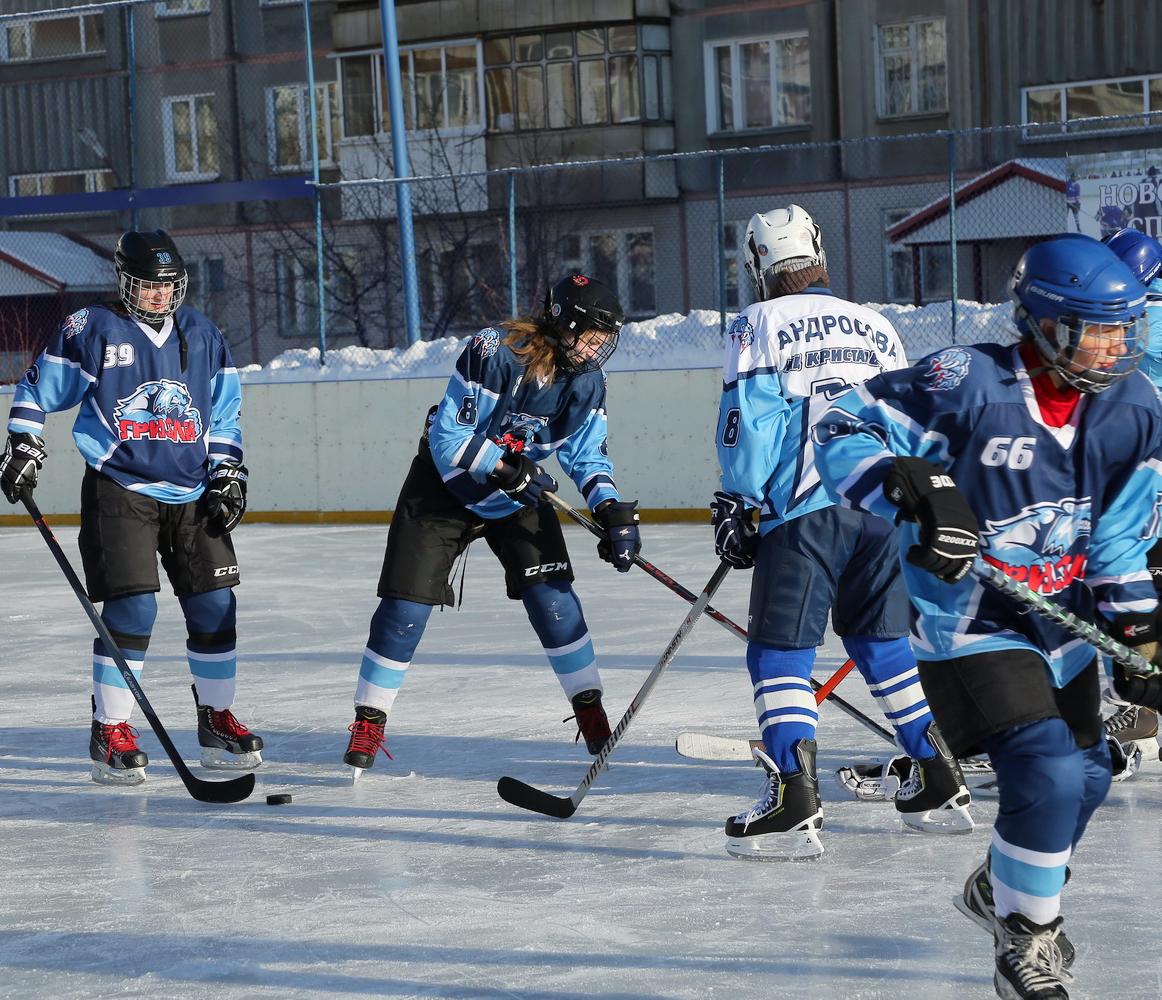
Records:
x=574, y=306
x=146, y=259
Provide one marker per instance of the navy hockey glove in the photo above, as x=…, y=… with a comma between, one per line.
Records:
x=926, y=494
x=226, y=495
x=622, y=541
x=523, y=480
x=735, y=537
x=21, y=464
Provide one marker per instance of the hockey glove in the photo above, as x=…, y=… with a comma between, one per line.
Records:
x=21, y=464
x=926, y=494
x=523, y=480
x=735, y=536
x=622, y=541
x=1136, y=688
x=226, y=495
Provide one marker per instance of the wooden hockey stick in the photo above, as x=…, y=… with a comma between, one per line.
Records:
x=233, y=790
x=822, y=691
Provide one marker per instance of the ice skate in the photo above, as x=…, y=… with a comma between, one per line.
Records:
x=934, y=797
x=1135, y=731
x=117, y=759
x=367, y=740
x=1029, y=960
x=784, y=824
x=227, y=745
x=976, y=903
x=592, y=722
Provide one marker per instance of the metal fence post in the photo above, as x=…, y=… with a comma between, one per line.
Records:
x=953, y=263
x=512, y=242
x=320, y=281
x=721, y=239
x=131, y=57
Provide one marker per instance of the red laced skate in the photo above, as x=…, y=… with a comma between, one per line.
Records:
x=119, y=739
x=367, y=739
x=224, y=723
x=592, y=722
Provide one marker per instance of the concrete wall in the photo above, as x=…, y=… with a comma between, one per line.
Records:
x=322, y=451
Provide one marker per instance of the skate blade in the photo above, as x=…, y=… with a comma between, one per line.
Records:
x=219, y=759
x=800, y=844
x=103, y=774
x=355, y=774
x=984, y=923
x=947, y=819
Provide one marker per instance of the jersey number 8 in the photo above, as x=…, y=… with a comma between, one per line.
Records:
x=1015, y=453
x=730, y=428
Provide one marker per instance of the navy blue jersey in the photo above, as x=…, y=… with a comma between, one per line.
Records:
x=490, y=405
x=144, y=421
x=1070, y=511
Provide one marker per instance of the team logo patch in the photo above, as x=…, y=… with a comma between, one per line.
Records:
x=1153, y=526
x=946, y=370
x=741, y=332
x=161, y=410
x=580, y=279
x=32, y=376
x=75, y=323
x=1043, y=545
x=519, y=429
x=763, y=251
x=486, y=342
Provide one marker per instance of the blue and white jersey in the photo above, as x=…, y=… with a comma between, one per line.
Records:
x=490, y=405
x=1070, y=511
x=1152, y=362
x=143, y=421
x=786, y=358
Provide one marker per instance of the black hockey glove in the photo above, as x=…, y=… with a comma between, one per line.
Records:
x=226, y=495
x=622, y=541
x=1138, y=631
x=21, y=464
x=926, y=494
x=1136, y=688
x=523, y=480
x=735, y=537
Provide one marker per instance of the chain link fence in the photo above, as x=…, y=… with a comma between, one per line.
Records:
x=196, y=116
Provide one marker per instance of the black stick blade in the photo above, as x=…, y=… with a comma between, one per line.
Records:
x=234, y=790
x=526, y=797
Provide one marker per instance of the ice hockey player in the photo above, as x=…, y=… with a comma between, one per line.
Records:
x=158, y=430
x=1045, y=455
x=795, y=348
x=519, y=394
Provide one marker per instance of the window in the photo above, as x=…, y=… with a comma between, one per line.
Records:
x=52, y=38
x=297, y=291
x=172, y=8
x=288, y=125
x=733, y=234
x=206, y=280
x=1062, y=108
x=191, y=137
x=899, y=274
x=758, y=83
x=913, y=68
x=62, y=182
x=441, y=89
x=622, y=259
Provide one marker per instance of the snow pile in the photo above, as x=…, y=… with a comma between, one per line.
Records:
x=670, y=341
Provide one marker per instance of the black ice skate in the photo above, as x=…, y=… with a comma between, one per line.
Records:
x=976, y=903
x=934, y=798
x=592, y=722
x=366, y=741
x=117, y=759
x=226, y=744
x=1029, y=961
x=784, y=824
x=1135, y=730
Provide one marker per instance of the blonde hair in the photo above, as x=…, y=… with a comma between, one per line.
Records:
x=526, y=338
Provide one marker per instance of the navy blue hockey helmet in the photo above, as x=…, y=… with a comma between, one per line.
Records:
x=148, y=263
x=1096, y=306
x=1141, y=253
x=585, y=319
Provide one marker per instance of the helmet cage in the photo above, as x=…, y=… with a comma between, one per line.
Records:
x=587, y=350
x=583, y=319
x=132, y=288
x=1088, y=369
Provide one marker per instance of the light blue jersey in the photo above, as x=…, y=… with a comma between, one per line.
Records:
x=1152, y=362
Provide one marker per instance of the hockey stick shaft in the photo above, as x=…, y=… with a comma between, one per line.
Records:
x=233, y=790
x=1024, y=595
x=736, y=630
x=536, y=800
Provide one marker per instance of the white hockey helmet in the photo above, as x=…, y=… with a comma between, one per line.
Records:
x=783, y=239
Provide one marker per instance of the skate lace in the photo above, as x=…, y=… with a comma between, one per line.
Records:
x=591, y=723
x=913, y=784
x=368, y=738
x=226, y=724
x=1127, y=718
x=121, y=738
x=1036, y=959
x=764, y=805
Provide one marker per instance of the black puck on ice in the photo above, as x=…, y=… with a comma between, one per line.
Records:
x=277, y=800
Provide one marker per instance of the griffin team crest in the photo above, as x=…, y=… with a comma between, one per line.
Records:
x=75, y=323
x=946, y=370
x=161, y=410
x=486, y=342
x=742, y=332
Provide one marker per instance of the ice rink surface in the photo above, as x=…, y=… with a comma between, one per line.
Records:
x=420, y=881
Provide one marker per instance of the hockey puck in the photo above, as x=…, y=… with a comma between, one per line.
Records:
x=277, y=800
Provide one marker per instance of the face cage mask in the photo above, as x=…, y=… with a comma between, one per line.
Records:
x=1103, y=368
x=591, y=362
x=131, y=287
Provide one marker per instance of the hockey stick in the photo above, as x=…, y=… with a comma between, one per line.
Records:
x=1021, y=594
x=827, y=688
x=536, y=800
x=233, y=790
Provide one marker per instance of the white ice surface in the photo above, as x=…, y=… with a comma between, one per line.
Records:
x=430, y=885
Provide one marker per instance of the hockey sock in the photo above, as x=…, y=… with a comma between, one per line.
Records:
x=784, y=703
x=396, y=629
x=889, y=668
x=130, y=622
x=555, y=614
x=211, y=643
x=1041, y=783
